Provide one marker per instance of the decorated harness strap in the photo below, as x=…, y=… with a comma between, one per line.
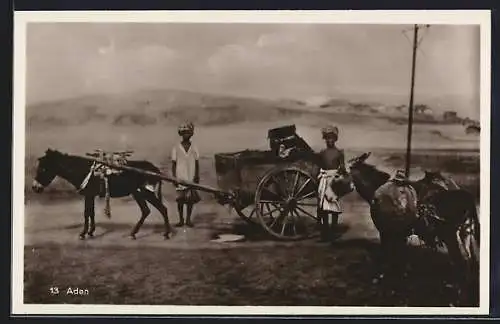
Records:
x=103, y=172
x=86, y=180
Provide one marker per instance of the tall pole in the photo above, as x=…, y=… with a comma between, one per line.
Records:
x=410, y=116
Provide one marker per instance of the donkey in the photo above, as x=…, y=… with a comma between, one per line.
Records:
x=77, y=171
x=445, y=209
x=393, y=209
x=447, y=215
x=433, y=207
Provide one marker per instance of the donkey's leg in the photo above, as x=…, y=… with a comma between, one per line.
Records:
x=401, y=256
x=454, y=252
x=458, y=272
x=92, y=216
x=383, y=255
x=86, y=213
x=464, y=277
x=145, y=211
x=392, y=249
x=153, y=200
x=392, y=252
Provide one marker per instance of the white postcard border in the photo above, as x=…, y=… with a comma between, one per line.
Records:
x=462, y=17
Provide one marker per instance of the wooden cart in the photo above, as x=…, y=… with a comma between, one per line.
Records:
x=277, y=188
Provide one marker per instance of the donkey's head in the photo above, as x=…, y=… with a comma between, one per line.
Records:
x=433, y=182
x=46, y=170
x=366, y=177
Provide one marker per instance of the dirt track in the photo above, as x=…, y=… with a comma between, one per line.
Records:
x=60, y=222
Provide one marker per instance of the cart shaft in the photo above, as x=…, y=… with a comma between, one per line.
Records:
x=164, y=177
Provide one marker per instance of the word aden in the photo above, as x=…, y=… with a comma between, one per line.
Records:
x=77, y=292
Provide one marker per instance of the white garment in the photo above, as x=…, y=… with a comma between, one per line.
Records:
x=328, y=199
x=185, y=162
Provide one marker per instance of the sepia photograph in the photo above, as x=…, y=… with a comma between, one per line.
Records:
x=251, y=163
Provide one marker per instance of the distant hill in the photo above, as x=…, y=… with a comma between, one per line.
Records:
x=170, y=107
x=151, y=107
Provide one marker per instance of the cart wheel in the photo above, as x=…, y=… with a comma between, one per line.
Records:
x=286, y=204
x=248, y=214
x=245, y=208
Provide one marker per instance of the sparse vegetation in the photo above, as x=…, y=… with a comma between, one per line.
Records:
x=473, y=129
x=317, y=276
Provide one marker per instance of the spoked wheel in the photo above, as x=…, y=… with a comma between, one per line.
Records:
x=286, y=204
x=245, y=208
x=248, y=214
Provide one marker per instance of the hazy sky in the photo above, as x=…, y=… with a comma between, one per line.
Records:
x=267, y=60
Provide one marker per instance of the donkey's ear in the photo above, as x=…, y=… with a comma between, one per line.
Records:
x=365, y=156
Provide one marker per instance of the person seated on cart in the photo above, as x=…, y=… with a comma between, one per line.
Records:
x=185, y=166
x=334, y=182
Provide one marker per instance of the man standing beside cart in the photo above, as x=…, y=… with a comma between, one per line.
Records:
x=185, y=166
x=333, y=184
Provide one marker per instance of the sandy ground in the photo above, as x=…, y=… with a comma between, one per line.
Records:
x=189, y=269
x=60, y=222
